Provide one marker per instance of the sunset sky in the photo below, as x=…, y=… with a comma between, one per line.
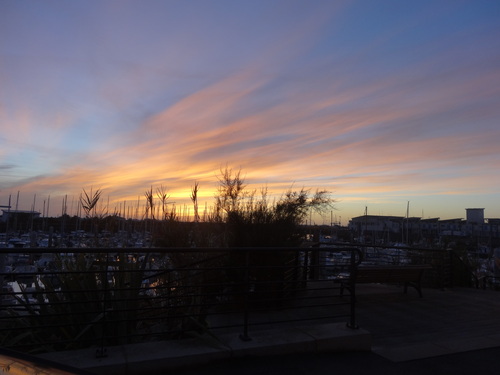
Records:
x=379, y=102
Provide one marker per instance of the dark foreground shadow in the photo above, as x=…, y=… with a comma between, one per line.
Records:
x=12, y=362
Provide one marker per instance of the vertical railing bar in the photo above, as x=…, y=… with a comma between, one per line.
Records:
x=244, y=336
x=102, y=351
x=306, y=266
x=352, y=281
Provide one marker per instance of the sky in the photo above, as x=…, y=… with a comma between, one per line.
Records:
x=385, y=104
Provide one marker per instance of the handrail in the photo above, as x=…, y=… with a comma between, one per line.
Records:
x=110, y=296
x=96, y=297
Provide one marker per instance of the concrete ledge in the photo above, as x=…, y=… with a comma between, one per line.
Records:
x=430, y=349
x=163, y=355
x=339, y=337
x=270, y=342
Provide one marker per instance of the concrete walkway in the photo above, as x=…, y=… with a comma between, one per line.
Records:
x=404, y=327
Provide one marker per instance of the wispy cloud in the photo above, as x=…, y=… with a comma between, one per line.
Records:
x=295, y=94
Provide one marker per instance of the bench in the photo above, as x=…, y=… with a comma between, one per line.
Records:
x=409, y=275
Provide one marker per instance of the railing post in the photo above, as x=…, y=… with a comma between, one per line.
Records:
x=305, y=277
x=450, y=268
x=314, y=262
x=102, y=351
x=3, y=262
x=352, y=285
x=244, y=336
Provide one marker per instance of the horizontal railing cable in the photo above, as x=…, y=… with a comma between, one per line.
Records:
x=95, y=297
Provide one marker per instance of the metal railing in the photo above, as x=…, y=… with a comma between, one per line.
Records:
x=67, y=298
x=59, y=299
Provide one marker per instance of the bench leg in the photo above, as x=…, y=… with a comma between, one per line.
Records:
x=416, y=286
x=344, y=285
x=419, y=290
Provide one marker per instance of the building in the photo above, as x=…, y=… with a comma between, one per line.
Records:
x=21, y=215
x=475, y=215
x=410, y=230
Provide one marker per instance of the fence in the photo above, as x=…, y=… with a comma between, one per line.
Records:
x=73, y=298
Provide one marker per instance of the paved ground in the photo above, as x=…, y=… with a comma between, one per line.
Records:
x=405, y=327
x=484, y=362
x=447, y=331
